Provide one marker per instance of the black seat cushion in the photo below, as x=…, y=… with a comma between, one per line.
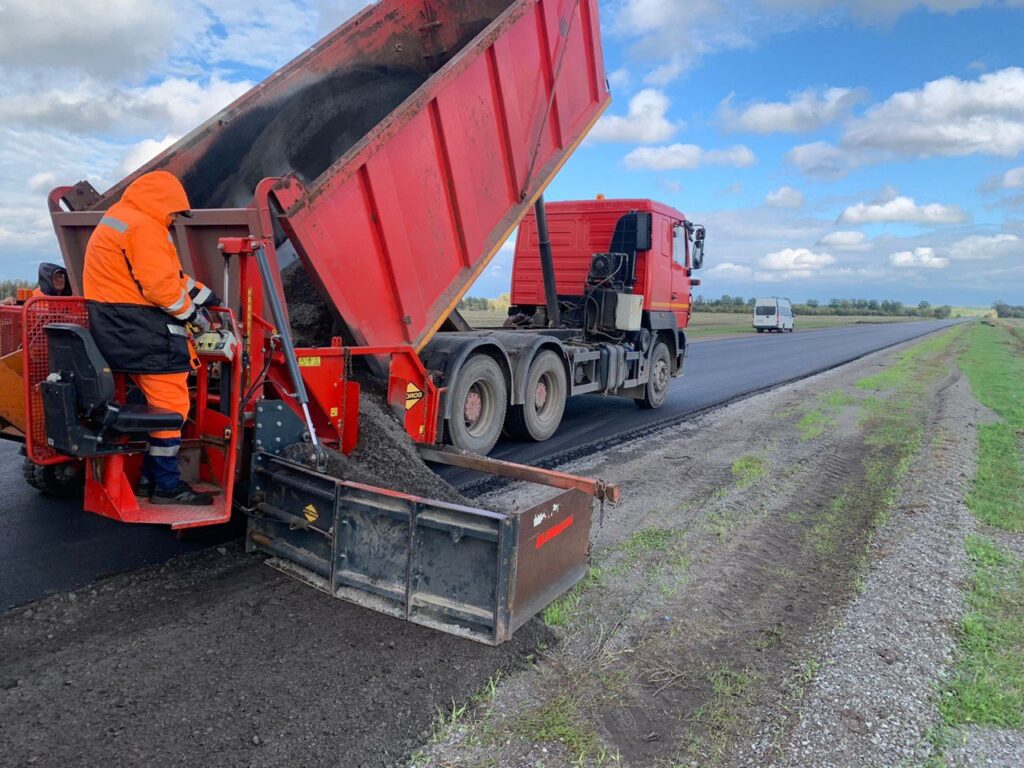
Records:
x=143, y=418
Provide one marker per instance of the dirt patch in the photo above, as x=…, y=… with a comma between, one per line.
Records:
x=217, y=659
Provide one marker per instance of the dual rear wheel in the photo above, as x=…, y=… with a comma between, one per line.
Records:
x=480, y=403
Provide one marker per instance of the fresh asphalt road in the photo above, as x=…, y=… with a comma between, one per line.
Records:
x=50, y=545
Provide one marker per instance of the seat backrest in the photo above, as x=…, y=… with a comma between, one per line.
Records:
x=72, y=350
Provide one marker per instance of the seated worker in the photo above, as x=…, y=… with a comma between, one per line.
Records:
x=53, y=281
x=142, y=308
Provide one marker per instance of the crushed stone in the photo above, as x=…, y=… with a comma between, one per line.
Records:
x=873, y=700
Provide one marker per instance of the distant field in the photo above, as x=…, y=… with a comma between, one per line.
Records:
x=715, y=323
x=721, y=323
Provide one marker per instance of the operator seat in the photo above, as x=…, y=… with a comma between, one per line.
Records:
x=82, y=418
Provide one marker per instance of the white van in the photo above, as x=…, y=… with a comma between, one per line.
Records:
x=773, y=315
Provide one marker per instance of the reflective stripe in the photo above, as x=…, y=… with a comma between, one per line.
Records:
x=202, y=296
x=185, y=314
x=189, y=283
x=115, y=224
x=181, y=302
x=163, y=450
x=170, y=239
x=176, y=330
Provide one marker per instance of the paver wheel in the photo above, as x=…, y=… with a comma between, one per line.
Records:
x=479, y=400
x=539, y=417
x=656, y=391
x=64, y=479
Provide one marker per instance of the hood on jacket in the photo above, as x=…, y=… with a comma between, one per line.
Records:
x=46, y=275
x=158, y=194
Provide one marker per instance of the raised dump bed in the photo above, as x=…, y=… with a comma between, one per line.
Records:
x=407, y=144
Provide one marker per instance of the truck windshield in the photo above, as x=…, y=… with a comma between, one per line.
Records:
x=764, y=310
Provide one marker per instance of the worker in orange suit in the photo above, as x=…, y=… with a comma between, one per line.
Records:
x=53, y=281
x=142, y=310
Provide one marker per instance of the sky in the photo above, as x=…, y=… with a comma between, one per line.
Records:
x=872, y=148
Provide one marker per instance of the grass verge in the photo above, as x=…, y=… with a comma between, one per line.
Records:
x=994, y=363
x=988, y=686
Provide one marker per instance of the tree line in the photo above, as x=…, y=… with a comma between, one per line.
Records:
x=1008, y=310
x=871, y=307
x=10, y=287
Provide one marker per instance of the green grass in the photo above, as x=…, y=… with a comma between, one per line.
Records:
x=647, y=540
x=562, y=611
x=816, y=422
x=994, y=363
x=906, y=365
x=558, y=721
x=710, y=323
x=747, y=470
x=988, y=684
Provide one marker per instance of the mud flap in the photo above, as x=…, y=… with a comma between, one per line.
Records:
x=469, y=572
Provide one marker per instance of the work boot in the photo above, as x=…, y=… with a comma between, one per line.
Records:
x=182, y=494
x=144, y=489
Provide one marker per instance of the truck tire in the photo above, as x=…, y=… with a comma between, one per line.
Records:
x=656, y=391
x=479, y=399
x=64, y=479
x=540, y=416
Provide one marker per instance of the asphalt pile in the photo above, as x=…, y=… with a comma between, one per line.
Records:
x=303, y=133
x=310, y=318
x=385, y=457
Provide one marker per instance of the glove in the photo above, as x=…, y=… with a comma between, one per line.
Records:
x=213, y=300
x=198, y=322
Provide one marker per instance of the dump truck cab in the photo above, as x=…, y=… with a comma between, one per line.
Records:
x=660, y=243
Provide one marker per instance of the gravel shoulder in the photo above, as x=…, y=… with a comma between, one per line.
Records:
x=781, y=586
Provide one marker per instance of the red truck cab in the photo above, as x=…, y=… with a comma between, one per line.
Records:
x=580, y=229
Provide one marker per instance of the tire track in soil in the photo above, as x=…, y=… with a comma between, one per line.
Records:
x=750, y=615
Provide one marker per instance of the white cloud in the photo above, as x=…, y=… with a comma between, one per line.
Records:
x=919, y=257
x=878, y=11
x=620, y=79
x=679, y=157
x=108, y=38
x=143, y=152
x=729, y=270
x=785, y=197
x=986, y=247
x=819, y=159
x=92, y=106
x=1011, y=179
x=645, y=123
x=805, y=111
x=846, y=241
x=796, y=260
x=947, y=117
x=902, y=209
x=42, y=182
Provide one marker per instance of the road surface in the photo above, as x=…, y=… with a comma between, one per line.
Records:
x=50, y=545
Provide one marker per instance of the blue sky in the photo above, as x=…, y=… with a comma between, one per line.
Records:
x=833, y=149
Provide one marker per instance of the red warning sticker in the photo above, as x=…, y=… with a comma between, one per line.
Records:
x=553, y=531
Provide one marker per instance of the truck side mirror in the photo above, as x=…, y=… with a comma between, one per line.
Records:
x=698, y=248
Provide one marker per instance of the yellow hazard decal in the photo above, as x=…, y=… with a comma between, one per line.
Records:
x=309, y=362
x=310, y=513
x=413, y=395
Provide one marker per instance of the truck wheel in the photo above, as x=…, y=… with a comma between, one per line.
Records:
x=54, y=479
x=539, y=417
x=656, y=390
x=478, y=405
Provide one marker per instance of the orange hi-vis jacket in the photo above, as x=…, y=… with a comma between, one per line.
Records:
x=139, y=297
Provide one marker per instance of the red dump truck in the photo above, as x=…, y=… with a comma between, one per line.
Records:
x=391, y=161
